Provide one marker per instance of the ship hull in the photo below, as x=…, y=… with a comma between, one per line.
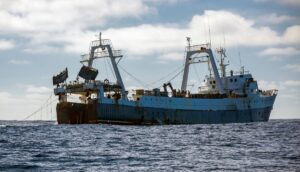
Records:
x=76, y=113
x=144, y=115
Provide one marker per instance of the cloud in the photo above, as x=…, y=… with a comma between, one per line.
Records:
x=45, y=24
x=274, y=18
x=288, y=51
x=165, y=1
x=35, y=49
x=289, y=2
x=280, y=85
x=292, y=3
x=291, y=83
x=37, y=89
x=17, y=107
x=287, y=102
x=6, y=44
x=170, y=38
x=54, y=26
x=292, y=67
x=146, y=39
x=19, y=62
x=172, y=56
x=292, y=35
x=268, y=85
x=56, y=15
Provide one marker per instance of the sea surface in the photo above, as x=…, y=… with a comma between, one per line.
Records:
x=46, y=146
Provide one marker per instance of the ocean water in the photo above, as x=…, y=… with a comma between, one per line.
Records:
x=46, y=146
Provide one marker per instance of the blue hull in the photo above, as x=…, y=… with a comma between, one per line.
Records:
x=113, y=113
x=77, y=113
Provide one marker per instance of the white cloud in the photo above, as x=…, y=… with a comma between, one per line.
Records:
x=268, y=85
x=288, y=51
x=287, y=102
x=165, y=1
x=283, y=2
x=45, y=23
x=166, y=39
x=19, y=62
x=274, y=18
x=290, y=2
x=37, y=89
x=291, y=83
x=57, y=15
x=292, y=35
x=292, y=67
x=35, y=49
x=280, y=85
x=172, y=56
x=17, y=107
x=53, y=26
x=145, y=39
x=6, y=44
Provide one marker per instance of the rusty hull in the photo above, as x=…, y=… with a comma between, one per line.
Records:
x=76, y=113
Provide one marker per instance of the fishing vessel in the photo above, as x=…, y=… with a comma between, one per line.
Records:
x=232, y=97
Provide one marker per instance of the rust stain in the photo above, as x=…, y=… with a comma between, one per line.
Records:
x=76, y=113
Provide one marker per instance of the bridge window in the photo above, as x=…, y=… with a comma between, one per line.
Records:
x=235, y=80
x=231, y=80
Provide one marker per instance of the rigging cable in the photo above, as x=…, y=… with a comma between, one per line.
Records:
x=196, y=72
x=41, y=107
x=175, y=75
x=133, y=77
x=164, y=77
x=105, y=65
x=111, y=68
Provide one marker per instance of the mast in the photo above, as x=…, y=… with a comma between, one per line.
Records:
x=107, y=52
x=222, y=51
x=116, y=69
x=196, y=49
x=216, y=72
x=186, y=65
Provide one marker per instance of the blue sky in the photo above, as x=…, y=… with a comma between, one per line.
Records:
x=40, y=38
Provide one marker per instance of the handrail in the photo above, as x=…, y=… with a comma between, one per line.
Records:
x=269, y=92
x=238, y=73
x=101, y=54
x=197, y=47
x=96, y=43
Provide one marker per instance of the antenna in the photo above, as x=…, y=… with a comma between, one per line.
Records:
x=242, y=69
x=99, y=36
x=224, y=39
x=209, y=31
x=240, y=60
x=189, y=42
x=100, y=39
x=209, y=34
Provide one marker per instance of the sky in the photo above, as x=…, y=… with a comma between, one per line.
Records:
x=40, y=38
